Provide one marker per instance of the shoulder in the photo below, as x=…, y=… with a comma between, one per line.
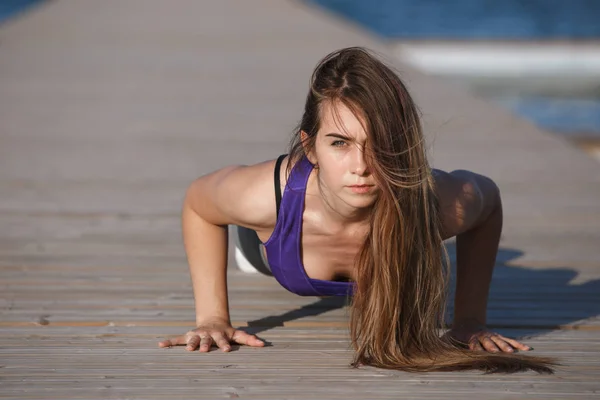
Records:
x=465, y=197
x=239, y=194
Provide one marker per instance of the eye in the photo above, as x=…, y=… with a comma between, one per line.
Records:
x=336, y=143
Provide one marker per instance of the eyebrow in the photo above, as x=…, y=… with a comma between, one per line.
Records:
x=337, y=135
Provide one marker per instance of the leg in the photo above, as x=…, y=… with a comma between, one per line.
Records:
x=250, y=254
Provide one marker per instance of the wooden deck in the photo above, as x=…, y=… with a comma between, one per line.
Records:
x=108, y=109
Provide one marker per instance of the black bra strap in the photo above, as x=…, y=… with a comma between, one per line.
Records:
x=277, y=183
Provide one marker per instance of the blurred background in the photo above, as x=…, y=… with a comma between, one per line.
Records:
x=538, y=58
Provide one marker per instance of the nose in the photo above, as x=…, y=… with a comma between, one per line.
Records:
x=359, y=163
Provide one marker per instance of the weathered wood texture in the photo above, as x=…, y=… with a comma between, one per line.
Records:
x=108, y=109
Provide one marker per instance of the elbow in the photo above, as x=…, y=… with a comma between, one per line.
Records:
x=493, y=194
x=191, y=194
x=492, y=201
x=196, y=199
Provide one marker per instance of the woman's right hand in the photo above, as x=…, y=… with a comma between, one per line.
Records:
x=216, y=331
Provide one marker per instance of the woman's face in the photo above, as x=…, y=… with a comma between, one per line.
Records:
x=339, y=152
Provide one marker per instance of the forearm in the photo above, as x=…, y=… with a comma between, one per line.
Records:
x=476, y=252
x=206, y=249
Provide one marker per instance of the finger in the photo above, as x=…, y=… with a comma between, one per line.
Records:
x=172, y=342
x=192, y=343
x=502, y=344
x=165, y=343
x=489, y=345
x=221, y=341
x=242, y=337
x=205, y=343
x=475, y=345
x=516, y=344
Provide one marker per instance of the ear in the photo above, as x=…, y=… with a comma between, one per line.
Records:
x=309, y=155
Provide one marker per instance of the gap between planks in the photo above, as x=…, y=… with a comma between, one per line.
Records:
x=290, y=324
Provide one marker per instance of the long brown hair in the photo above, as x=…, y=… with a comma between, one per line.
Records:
x=397, y=310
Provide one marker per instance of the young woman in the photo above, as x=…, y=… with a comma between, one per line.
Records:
x=362, y=215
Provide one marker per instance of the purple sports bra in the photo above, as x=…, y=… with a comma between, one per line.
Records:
x=283, y=247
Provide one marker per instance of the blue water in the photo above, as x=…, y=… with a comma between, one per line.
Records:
x=473, y=19
x=10, y=8
x=570, y=117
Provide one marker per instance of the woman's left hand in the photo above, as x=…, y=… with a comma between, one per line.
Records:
x=480, y=338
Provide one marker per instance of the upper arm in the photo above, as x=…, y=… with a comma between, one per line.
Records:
x=236, y=195
x=466, y=199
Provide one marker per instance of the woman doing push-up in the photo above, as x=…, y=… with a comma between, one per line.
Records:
x=357, y=211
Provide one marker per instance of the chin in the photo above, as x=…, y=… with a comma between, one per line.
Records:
x=363, y=201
